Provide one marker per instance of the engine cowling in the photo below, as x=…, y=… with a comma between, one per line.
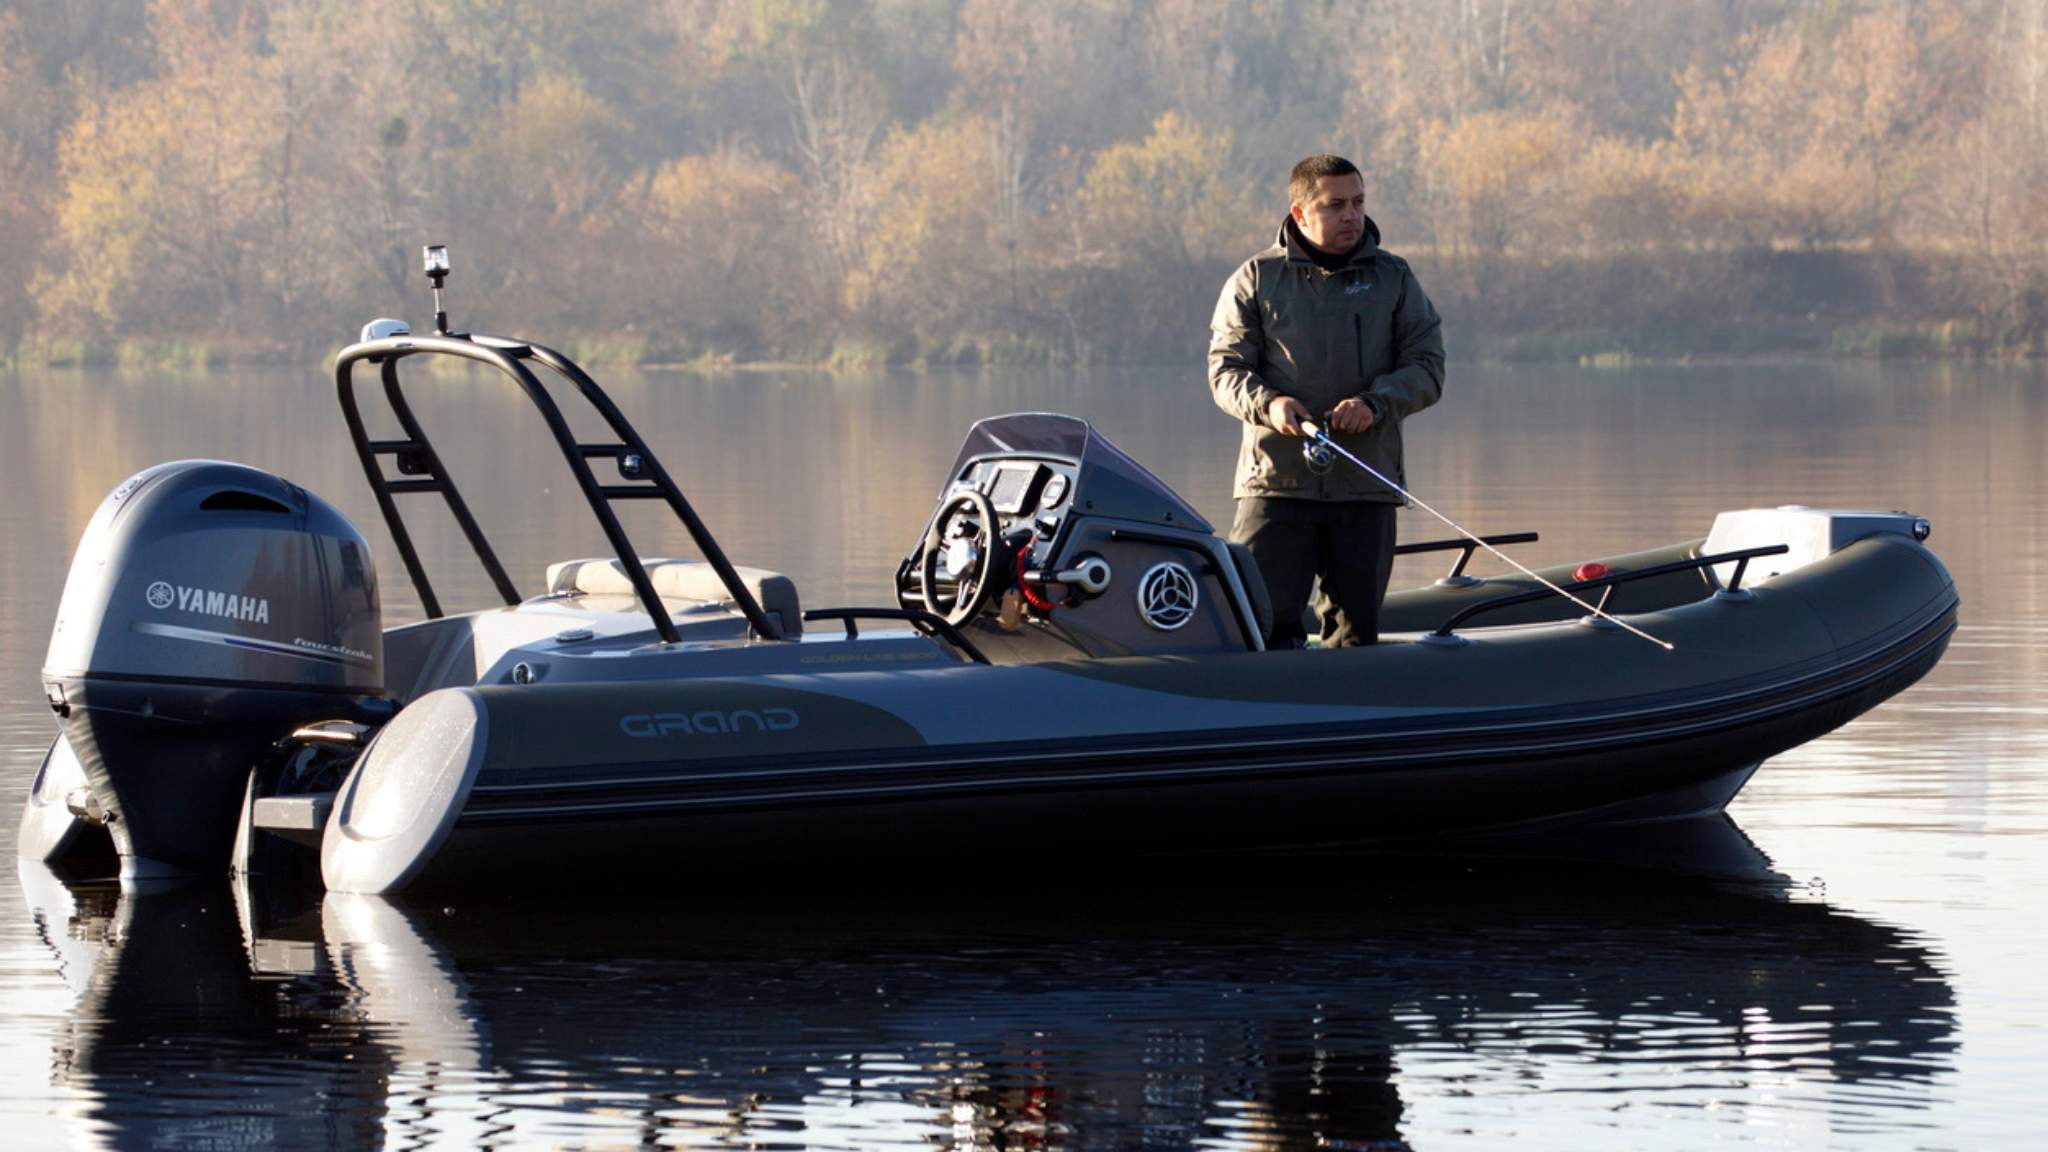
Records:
x=211, y=609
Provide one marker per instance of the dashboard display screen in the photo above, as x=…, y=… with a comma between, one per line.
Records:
x=1012, y=487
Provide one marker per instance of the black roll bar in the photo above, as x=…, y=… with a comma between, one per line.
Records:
x=415, y=455
x=1741, y=559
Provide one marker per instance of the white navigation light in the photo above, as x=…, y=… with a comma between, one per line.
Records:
x=384, y=329
x=435, y=257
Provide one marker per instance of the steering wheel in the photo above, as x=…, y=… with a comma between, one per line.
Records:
x=974, y=585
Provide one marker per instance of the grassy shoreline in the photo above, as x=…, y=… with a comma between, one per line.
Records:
x=1951, y=340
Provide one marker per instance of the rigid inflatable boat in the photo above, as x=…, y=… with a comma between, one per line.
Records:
x=1075, y=667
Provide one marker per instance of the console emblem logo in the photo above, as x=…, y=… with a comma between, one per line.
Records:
x=1167, y=596
x=161, y=595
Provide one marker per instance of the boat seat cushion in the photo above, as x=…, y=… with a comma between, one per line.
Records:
x=693, y=580
x=1254, y=589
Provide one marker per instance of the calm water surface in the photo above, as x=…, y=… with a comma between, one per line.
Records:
x=1851, y=961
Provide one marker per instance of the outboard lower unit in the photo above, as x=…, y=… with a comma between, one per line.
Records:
x=211, y=610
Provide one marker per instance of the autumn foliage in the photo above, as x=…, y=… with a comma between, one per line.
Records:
x=958, y=180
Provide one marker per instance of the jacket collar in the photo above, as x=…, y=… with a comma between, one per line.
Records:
x=1290, y=238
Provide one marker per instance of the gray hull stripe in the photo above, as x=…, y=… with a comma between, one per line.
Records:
x=1048, y=774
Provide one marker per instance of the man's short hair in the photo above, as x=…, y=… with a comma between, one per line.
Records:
x=1301, y=183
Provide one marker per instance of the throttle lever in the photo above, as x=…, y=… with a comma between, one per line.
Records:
x=1091, y=574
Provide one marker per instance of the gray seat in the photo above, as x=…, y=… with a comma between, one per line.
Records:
x=692, y=580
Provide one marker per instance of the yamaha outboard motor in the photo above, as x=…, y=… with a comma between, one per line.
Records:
x=211, y=609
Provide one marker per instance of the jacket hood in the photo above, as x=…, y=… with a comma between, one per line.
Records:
x=1291, y=239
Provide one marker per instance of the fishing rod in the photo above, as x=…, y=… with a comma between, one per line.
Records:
x=1318, y=436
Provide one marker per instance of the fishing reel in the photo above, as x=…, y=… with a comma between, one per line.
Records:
x=1318, y=455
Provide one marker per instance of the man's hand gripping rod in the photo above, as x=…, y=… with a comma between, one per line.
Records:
x=1316, y=433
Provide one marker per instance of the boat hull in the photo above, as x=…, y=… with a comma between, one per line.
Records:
x=1533, y=728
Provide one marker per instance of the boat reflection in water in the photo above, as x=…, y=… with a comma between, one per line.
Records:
x=178, y=1043
x=1257, y=1005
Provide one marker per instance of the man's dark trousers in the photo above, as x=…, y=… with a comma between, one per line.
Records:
x=1349, y=544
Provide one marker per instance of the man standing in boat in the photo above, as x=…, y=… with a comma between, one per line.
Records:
x=1323, y=326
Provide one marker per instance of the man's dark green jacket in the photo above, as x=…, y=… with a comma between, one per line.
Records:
x=1285, y=326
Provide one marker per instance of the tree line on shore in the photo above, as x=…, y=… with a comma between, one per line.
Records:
x=702, y=181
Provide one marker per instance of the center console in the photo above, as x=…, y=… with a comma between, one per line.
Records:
x=1049, y=542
